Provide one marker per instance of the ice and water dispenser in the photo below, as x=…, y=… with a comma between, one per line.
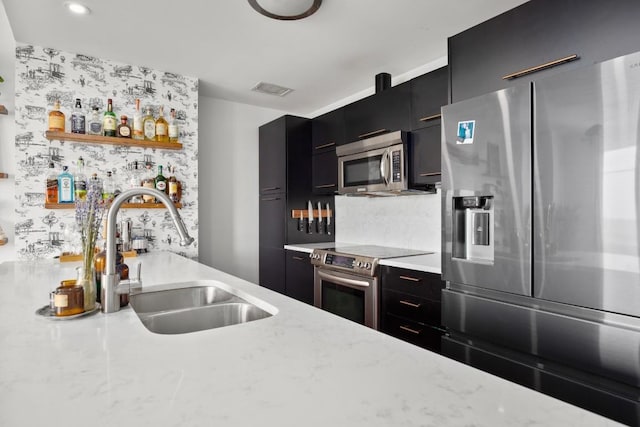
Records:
x=473, y=228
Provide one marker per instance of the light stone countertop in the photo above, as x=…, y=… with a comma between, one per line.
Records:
x=302, y=366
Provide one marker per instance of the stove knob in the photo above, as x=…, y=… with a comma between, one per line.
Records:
x=367, y=265
x=359, y=264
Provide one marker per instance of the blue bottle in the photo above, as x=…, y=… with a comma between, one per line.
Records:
x=65, y=186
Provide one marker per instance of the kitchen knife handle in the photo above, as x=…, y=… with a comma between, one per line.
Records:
x=411, y=279
x=540, y=67
x=375, y=132
x=320, y=147
x=426, y=119
x=408, y=329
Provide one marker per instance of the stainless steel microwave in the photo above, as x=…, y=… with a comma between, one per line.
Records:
x=373, y=165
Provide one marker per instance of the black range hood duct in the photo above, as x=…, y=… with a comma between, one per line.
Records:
x=383, y=82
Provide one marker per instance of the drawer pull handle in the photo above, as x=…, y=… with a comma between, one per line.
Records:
x=270, y=188
x=270, y=199
x=320, y=147
x=430, y=174
x=426, y=119
x=540, y=67
x=375, y=132
x=325, y=186
x=408, y=329
x=411, y=279
x=298, y=258
x=410, y=304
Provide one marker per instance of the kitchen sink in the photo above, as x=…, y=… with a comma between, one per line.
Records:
x=197, y=306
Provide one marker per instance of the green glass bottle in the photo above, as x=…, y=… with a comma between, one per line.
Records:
x=109, y=121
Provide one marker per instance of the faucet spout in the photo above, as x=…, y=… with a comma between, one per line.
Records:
x=110, y=279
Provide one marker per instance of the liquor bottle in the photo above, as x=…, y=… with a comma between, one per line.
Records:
x=138, y=129
x=109, y=121
x=174, y=189
x=161, y=181
x=95, y=182
x=124, y=130
x=94, y=127
x=108, y=187
x=173, y=126
x=162, y=127
x=65, y=186
x=149, y=125
x=56, y=118
x=149, y=182
x=52, y=185
x=80, y=181
x=77, y=118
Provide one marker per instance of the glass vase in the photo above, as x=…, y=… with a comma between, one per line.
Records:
x=87, y=279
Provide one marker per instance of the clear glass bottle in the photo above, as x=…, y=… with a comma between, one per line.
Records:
x=138, y=128
x=94, y=127
x=96, y=182
x=162, y=127
x=77, y=118
x=65, y=186
x=87, y=280
x=109, y=120
x=124, y=130
x=174, y=132
x=56, y=118
x=51, y=196
x=174, y=189
x=161, y=181
x=149, y=125
x=149, y=181
x=108, y=187
x=80, y=181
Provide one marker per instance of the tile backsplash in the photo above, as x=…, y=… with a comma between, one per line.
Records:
x=411, y=222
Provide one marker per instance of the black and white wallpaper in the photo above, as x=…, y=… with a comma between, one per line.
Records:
x=44, y=75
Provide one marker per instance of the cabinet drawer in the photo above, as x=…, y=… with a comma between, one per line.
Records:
x=413, y=332
x=420, y=284
x=411, y=307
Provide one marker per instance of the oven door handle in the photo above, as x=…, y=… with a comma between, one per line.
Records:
x=345, y=281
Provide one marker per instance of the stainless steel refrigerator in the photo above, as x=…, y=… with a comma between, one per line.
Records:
x=541, y=234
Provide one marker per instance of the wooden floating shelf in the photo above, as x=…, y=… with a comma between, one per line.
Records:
x=124, y=205
x=68, y=257
x=295, y=213
x=98, y=139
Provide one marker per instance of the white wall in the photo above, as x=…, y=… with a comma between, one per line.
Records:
x=228, y=183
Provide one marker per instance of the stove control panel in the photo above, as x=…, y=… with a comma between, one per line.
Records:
x=344, y=262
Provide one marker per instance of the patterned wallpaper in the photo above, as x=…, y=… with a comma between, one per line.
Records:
x=44, y=75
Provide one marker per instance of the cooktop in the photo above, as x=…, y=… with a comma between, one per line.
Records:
x=374, y=251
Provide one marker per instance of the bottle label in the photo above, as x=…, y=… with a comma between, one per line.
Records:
x=125, y=131
x=65, y=189
x=148, y=183
x=109, y=123
x=61, y=300
x=77, y=124
x=149, y=129
x=161, y=129
x=95, y=128
x=173, y=187
x=161, y=185
x=52, y=183
x=137, y=125
x=56, y=122
x=173, y=131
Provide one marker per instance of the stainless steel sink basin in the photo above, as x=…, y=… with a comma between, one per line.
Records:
x=197, y=306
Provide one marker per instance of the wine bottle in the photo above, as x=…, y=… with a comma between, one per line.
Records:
x=109, y=121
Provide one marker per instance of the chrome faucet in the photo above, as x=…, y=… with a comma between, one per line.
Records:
x=112, y=287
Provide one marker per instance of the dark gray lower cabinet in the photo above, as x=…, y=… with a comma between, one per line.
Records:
x=410, y=306
x=299, y=276
x=271, y=268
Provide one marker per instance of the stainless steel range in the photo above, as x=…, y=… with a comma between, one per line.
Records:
x=346, y=280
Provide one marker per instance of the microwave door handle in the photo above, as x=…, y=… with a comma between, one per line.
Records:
x=384, y=167
x=344, y=281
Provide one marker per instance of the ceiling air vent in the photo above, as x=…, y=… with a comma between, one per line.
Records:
x=271, y=89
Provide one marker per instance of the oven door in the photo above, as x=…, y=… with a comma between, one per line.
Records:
x=347, y=295
x=382, y=169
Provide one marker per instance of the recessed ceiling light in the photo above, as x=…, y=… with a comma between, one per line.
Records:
x=77, y=8
x=271, y=89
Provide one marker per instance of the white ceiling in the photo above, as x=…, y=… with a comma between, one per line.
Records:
x=329, y=56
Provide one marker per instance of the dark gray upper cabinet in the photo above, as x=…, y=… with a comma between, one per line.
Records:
x=325, y=172
x=327, y=131
x=383, y=112
x=429, y=92
x=425, y=165
x=536, y=33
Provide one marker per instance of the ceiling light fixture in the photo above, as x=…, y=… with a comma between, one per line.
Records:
x=77, y=8
x=286, y=10
x=271, y=89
